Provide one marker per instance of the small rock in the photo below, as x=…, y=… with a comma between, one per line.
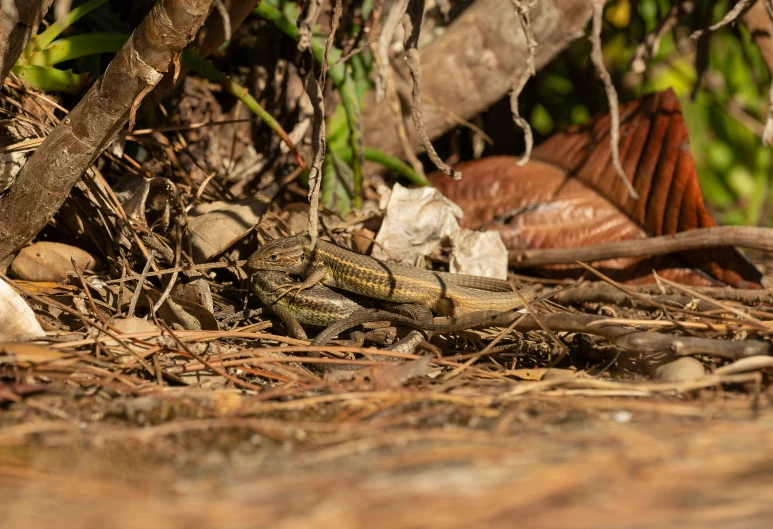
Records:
x=554, y=373
x=681, y=370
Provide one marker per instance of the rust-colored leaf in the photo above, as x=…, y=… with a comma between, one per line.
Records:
x=576, y=199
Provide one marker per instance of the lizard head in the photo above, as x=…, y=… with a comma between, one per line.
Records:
x=286, y=254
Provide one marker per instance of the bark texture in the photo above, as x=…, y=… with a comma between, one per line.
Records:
x=211, y=36
x=473, y=65
x=79, y=139
x=19, y=21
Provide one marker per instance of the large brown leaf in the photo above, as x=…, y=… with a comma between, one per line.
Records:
x=577, y=199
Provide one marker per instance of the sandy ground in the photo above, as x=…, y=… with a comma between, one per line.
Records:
x=542, y=462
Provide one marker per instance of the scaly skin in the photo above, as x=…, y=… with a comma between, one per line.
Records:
x=331, y=265
x=317, y=306
x=320, y=306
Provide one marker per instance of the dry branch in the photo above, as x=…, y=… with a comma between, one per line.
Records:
x=620, y=335
x=79, y=139
x=522, y=8
x=724, y=236
x=412, y=25
x=738, y=9
x=211, y=36
x=19, y=21
x=600, y=292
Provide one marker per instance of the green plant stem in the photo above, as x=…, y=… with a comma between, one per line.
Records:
x=390, y=162
x=341, y=80
x=394, y=164
x=189, y=59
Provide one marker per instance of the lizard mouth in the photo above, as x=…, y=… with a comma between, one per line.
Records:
x=262, y=266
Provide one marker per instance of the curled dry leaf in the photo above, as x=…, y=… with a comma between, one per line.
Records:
x=415, y=222
x=196, y=292
x=147, y=200
x=575, y=198
x=217, y=225
x=51, y=261
x=16, y=317
x=479, y=254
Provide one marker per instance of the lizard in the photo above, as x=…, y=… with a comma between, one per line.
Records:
x=443, y=293
x=320, y=306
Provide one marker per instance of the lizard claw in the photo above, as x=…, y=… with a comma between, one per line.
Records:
x=283, y=290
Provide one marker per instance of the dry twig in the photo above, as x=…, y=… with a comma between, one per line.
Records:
x=412, y=25
x=738, y=9
x=614, y=111
x=722, y=236
x=522, y=8
x=651, y=43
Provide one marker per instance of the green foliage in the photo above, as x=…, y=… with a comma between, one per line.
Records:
x=36, y=63
x=724, y=120
x=342, y=171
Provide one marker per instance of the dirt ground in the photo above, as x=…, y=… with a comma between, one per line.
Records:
x=502, y=459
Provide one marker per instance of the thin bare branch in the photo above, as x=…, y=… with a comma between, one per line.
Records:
x=648, y=48
x=412, y=25
x=738, y=9
x=384, y=40
x=614, y=110
x=522, y=9
x=309, y=15
x=314, y=90
x=724, y=236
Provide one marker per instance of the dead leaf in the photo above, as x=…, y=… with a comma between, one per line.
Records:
x=183, y=314
x=415, y=222
x=394, y=375
x=147, y=200
x=51, y=261
x=134, y=325
x=575, y=198
x=47, y=288
x=681, y=370
x=217, y=225
x=196, y=292
x=478, y=253
x=26, y=355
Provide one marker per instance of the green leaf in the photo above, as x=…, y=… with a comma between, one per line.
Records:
x=49, y=79
x=70, y=48
x=42, y=40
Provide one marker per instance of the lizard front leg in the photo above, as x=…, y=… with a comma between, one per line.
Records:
x=315, y=277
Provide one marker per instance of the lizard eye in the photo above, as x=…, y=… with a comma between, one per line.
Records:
x=273, y=257
x=303, y=258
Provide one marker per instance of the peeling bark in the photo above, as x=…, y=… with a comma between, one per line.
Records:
x=80, y=138
x=211, y=36
x=19, y=21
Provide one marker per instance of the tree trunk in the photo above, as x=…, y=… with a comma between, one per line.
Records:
x=48, y=176
x=19, y=21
